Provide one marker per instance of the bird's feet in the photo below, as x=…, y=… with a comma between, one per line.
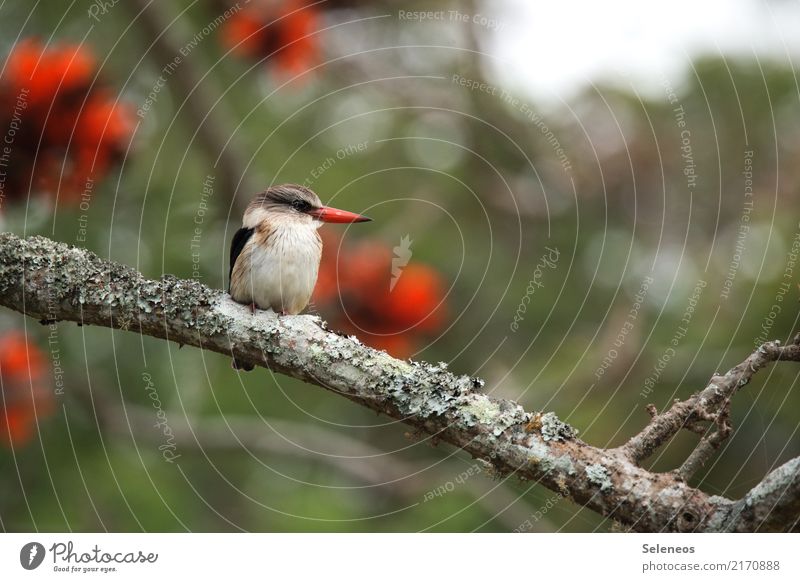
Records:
x=253, y=308
x=243, y=366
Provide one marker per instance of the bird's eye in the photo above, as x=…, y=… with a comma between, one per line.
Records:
x=301, y=205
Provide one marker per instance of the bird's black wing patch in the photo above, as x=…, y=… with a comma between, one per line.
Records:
x=237, y=244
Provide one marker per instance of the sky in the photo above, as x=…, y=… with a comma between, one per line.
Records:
x=554, y=49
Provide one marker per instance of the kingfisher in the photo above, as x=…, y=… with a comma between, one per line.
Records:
x=275, y=255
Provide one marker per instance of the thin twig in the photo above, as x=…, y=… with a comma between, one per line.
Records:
x=706, y=404
x=709, y=443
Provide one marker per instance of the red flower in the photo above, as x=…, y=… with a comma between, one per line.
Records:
x=283, y=33
x=61, y=70
x=65, y=129
x=416, y=299
x=24, y=395
x=354, y=292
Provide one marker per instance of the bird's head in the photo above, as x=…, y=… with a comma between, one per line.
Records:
x=294, y=203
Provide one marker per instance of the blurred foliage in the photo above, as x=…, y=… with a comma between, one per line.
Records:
x=485, y=184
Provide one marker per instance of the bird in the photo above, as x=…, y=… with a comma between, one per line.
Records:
x=275, y=255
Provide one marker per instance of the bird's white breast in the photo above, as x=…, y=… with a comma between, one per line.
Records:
x=284, y=266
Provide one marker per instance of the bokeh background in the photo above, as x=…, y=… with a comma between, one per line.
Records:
x=592, y=206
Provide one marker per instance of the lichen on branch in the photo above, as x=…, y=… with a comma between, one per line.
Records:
x=51, y=281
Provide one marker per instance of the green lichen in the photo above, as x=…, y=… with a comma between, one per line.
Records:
x=554, y=429
x=541, y=456
x=482, y=410
x=600, y=476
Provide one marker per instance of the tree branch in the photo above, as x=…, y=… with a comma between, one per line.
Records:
x=768, y=505
x=711, y=404
x=54, y=282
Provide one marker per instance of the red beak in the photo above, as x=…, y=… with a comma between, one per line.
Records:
x=328, y=214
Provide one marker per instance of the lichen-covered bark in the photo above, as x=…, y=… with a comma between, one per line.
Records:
x=772, y=505
x=52, y=281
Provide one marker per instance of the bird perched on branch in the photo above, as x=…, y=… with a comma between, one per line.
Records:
x=275, y=255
